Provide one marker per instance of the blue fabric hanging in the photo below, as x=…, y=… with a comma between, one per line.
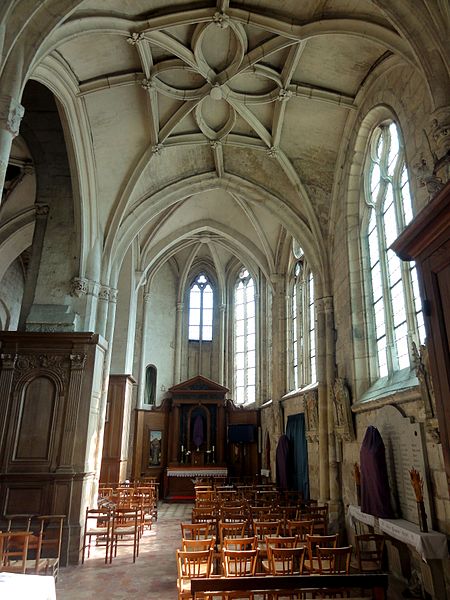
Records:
x=296, y=433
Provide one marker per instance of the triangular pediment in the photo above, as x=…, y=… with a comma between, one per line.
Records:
x=198, y=384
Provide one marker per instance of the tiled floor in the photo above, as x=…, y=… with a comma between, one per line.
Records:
x=151, y=577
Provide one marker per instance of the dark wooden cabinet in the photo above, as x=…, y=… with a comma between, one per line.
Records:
x=427, y=241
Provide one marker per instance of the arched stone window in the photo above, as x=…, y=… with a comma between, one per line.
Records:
x=392, y=295
x=201, y=304
x=303, y=324
x=244, y=339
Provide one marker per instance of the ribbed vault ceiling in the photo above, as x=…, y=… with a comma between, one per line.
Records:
x=257, y=89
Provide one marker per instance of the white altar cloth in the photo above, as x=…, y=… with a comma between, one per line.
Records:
x=356, y=514
x=430, y=546
x=15, y=586
x=196, y=472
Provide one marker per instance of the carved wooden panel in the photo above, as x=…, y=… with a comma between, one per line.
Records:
x=36, y=420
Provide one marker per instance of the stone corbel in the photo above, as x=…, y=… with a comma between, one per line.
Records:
x=343, y=422
x=311, y=407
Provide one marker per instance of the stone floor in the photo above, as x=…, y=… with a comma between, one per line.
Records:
x=151, y=577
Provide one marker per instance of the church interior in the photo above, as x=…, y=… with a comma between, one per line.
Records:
x=225, y=258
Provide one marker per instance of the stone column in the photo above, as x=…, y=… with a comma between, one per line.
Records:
x=11, y=113
x=107, y=306
x=222, y=308
x=77, y=364
x=324, y=464
x=278, y=347
x=102, y=309
x=179, y=341
x=330, y=376
x=143, y=356
x=29, y=291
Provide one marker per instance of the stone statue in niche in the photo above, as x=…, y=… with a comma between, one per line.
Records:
x=423, y=373
x=310, y=402
x=343, y=422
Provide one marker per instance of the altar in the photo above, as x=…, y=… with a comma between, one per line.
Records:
x=179, y=481
x=196, y=433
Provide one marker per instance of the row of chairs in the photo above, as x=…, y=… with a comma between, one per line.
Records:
x=31, y=544
x=111, y=528
x=369, y=547
x=281, y=560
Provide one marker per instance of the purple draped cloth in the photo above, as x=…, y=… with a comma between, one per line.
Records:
x=197, y=434
x=375, y=491
x=282, y=457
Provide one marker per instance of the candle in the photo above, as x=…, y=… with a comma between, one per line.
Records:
x=182, y=448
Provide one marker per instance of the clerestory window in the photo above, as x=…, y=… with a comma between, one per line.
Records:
x=201, y=302
x=303, y=323
x=245, y=339
x=394, y=308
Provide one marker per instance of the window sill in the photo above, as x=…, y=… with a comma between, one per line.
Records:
x=400, y=388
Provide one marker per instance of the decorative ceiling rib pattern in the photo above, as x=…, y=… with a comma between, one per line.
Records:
x=264, y=88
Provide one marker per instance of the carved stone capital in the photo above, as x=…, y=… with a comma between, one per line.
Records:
x=11, y=113
x=79, y=286
x=104, y=293
x=147, y=297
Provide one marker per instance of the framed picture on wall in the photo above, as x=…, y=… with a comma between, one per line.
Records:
x=155, y=447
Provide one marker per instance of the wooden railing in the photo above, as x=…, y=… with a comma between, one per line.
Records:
x=378, y=583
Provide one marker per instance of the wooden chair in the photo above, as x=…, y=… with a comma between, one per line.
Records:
x=334, y=561
x=190, y=565
x=18, y=522
x=369, y=552
x=49, y=544
x=300, y=528
x=263, y=530
x=97, y=525
x=233, y=514
x=14, y=551
x=319, y=514
x=239, y=563
x=285, y=561
x=231, y=530
x=240, y=543
x=198, y=545
x=197, y=531
x=311, y=563
x=125, y=530
x=277, y=542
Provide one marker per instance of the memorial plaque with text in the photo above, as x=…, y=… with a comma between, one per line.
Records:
x=403, y=441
